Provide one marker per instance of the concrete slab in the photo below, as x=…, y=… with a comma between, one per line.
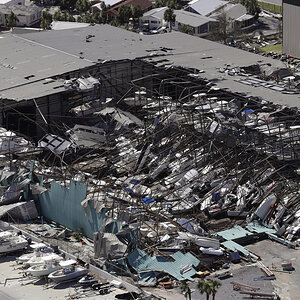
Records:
x=22, y=288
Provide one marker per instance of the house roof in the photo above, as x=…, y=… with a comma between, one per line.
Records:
x=206, y=7
x=111, y=2
x=183, y=17
x=144, y=4
x=192, y=19
x=156, y=13
x=234, y=11
x=19, y=9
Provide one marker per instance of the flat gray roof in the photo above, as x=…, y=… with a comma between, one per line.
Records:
x=112, y=43
x=23, y=63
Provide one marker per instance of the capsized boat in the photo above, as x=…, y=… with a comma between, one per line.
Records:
x=44, y=269
x=70, y=271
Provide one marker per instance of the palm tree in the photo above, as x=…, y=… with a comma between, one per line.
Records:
x=169, y=16
x=11, y=20
x=214, y=285
x=185, y=289
x=204, y=288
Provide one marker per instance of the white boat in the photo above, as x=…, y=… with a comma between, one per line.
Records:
x=87, y=136
x=87, y=279
x=41, y=258
x=37, y=247
x=212, y=251
x=12, y=244
x=70, y=271
x=44, y=269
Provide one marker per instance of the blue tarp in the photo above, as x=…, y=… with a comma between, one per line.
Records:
x=148, y=200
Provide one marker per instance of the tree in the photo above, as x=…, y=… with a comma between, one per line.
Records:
x=11, y=20
x=68, y=4
x=57, y=16
x=174, y=4
x=46, y=20
x=115, y=23
x=221, y=29
x=83, y=5
x=97, y=17
x=136, y=11
x=252, y=7
x=186, y=29
x=214, y=285
x=185, y=289
x=124, y=13
x=103, y=6
x=169, y=16
x=204, y=288
x=87, y=18
x=159, y=3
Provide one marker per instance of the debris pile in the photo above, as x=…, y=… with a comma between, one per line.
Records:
x=174, y=177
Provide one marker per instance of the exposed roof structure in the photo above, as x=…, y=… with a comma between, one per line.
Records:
x=206, y=7
x=112, y=43
x=32, y=52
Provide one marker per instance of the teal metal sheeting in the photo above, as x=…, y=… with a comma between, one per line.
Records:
x=258, y=228
x=141, y=261
x=63, y=205
x=234, y=233
x=233, y=246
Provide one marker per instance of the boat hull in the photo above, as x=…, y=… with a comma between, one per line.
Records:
x=38, y=271
x=59, y=276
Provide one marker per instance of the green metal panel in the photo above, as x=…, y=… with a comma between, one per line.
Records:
x=63, y=205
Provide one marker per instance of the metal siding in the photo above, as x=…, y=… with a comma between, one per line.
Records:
x=291, y=32
x=63, y=205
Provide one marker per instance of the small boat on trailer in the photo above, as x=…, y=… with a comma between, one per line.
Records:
x=49, y=266
x=70, y=271
x=42, y=248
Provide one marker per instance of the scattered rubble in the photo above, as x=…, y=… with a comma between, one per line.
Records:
x=169, y=182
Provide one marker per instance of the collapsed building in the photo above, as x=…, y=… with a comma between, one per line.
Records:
x=154, y=161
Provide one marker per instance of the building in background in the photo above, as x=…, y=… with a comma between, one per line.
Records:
x=197, y=24
x=291, y=25
x=27, y=15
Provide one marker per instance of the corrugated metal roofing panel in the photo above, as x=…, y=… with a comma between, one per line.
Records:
x=234, y=233
x=141, y=261
x=233, y=246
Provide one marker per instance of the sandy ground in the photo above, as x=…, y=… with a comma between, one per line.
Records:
x=20, y=288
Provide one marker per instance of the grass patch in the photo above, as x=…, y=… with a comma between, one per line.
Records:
x=274, y=48
x=277, y=9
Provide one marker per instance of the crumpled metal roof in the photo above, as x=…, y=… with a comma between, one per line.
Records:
x=181, y=268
